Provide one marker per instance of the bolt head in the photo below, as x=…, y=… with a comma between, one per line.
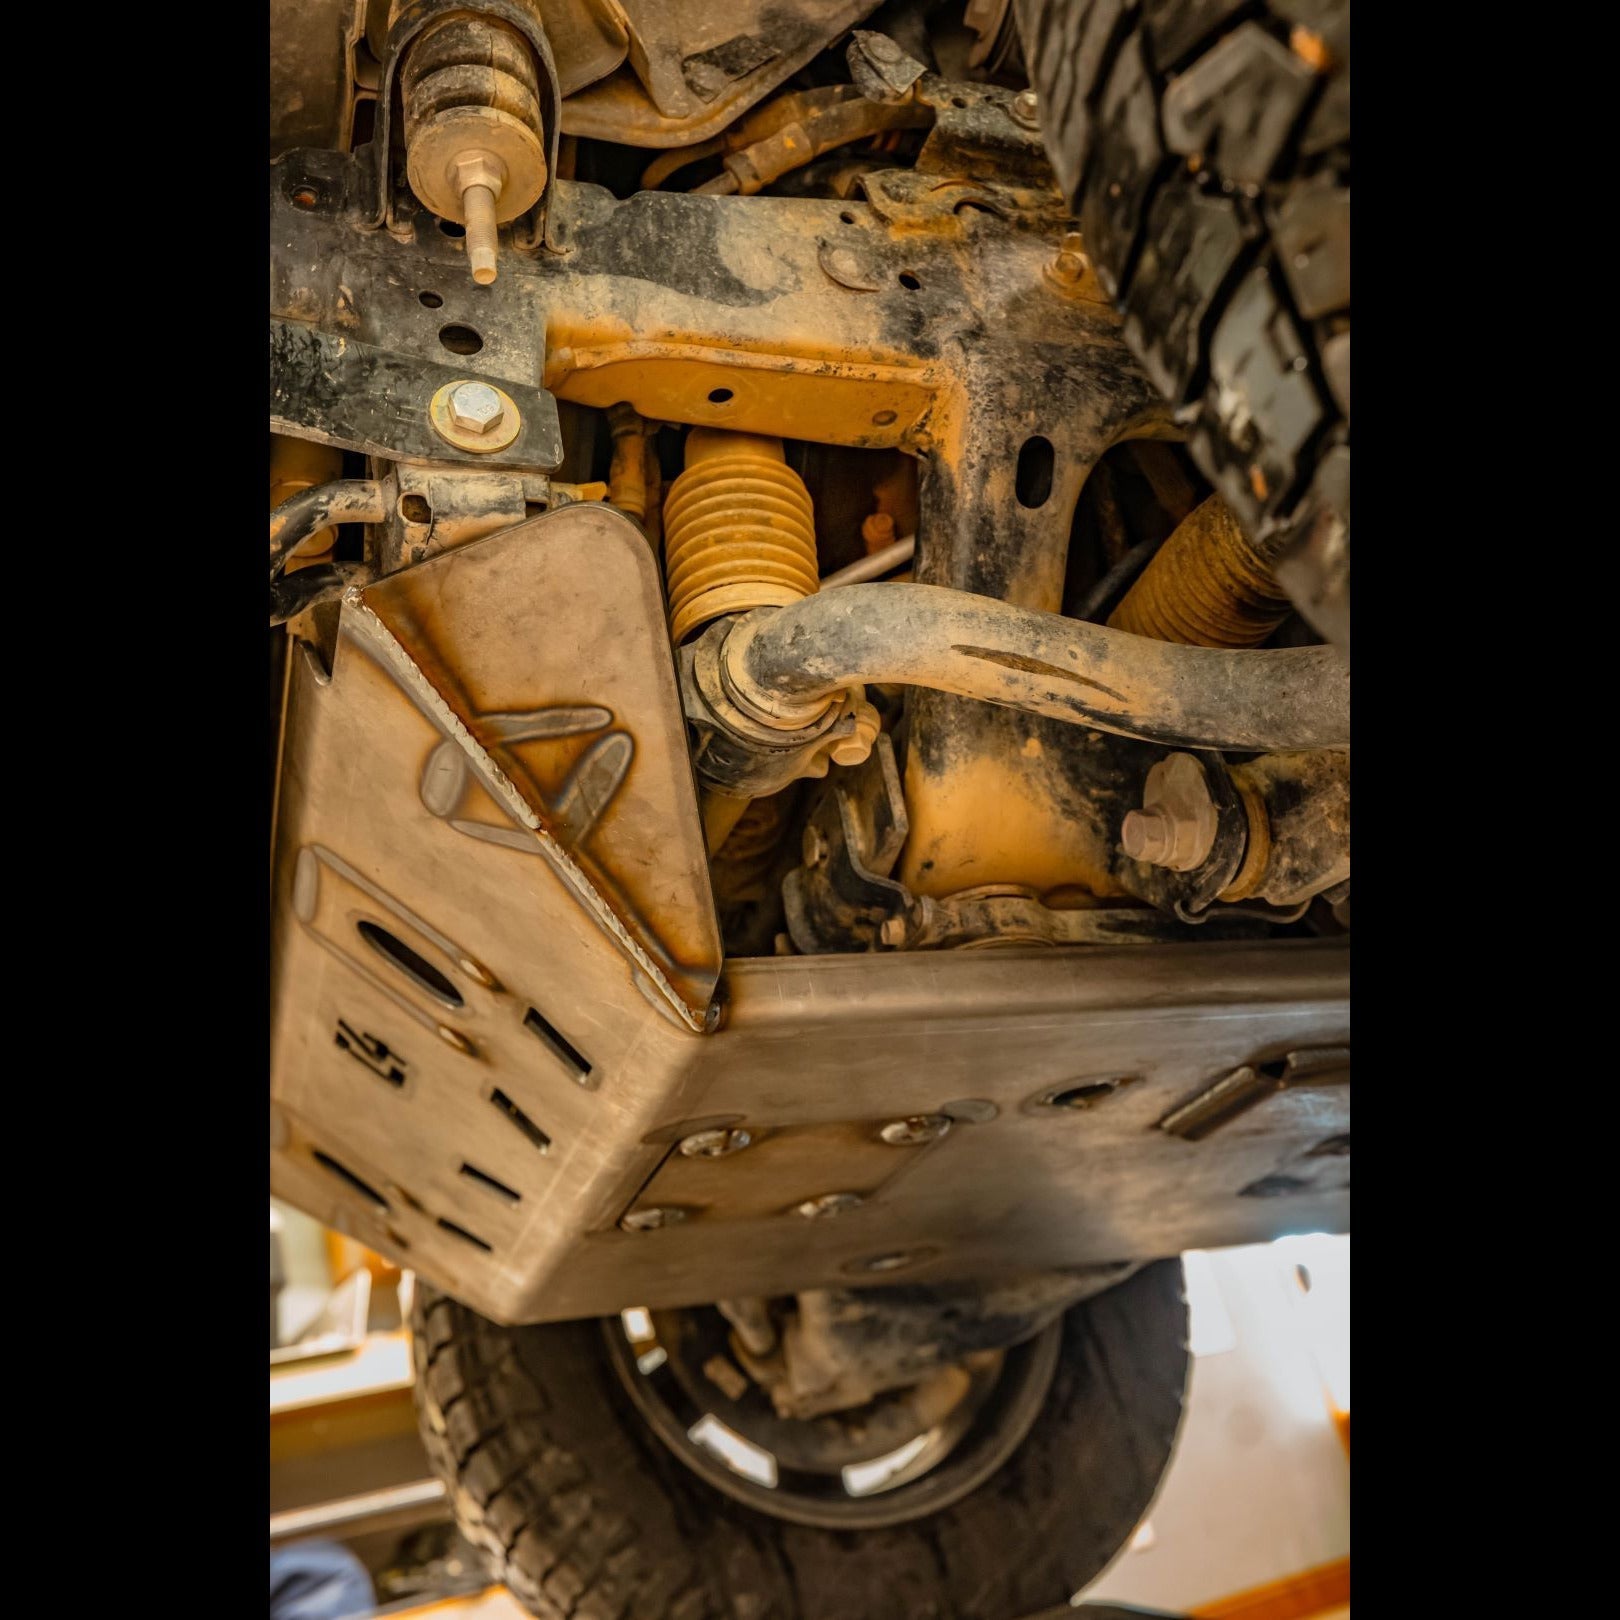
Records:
x=893, y=931
x=888, y=1262
x=715, y=1144
x=915, y=1130
x=650, y=1220
x=475, y=407
x=1145, y=836
x=827, y=1204
x=1070, y=264
x=882, y=49
x=1026, y=108
x=1177, y=823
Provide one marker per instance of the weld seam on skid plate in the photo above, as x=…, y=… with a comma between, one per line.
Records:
x=404, y=668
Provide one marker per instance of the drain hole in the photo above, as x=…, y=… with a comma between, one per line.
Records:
x=507, y=1194
x=1033, y=481
x=416, y=968
x=344, y=1174
x=719, y=396
x=1275, y=1187
x=465, y=1236
x=558, y=1044
x=535, y=1135
x=460, y=339
x=910, y=282
x=1087, y=1095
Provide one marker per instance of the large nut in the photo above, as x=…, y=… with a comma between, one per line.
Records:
x=1178, y=820
x=475, y=407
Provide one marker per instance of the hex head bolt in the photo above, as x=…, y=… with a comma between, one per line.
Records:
x=1177, y=823
x=475, y=407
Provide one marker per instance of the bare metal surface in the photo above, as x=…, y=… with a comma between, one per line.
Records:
x=873, y=566
x=458, y=782
x=530, y=833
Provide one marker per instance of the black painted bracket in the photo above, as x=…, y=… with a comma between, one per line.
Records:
x=337, y=391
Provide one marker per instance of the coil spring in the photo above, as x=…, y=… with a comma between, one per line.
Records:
x=739, y=531
x=744, y=862
x=1206, y=587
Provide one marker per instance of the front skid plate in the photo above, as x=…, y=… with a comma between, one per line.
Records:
x=495, y=950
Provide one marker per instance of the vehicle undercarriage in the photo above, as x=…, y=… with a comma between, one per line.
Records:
x=812, y=761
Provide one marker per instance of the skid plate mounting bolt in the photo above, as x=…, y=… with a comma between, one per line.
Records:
x=915, y=1130
x=1026, y=108
x=1070, y=264
x=1177, y=822
x=475, y=407
x=715, y=1144
x=827, y=1204
x=650, y=1220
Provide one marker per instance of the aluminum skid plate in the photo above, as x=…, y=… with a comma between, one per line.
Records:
x=495, y=960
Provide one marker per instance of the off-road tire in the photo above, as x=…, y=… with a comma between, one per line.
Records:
x=1205, y=148
x=585, y=1514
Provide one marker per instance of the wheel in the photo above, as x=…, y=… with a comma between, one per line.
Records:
x=1205, y=147
x=573, y=1463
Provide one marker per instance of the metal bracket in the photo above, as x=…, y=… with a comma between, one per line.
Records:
x=337, y=391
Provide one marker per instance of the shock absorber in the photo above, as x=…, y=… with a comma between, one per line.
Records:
x=739, y=530
x=1206, y=587
x=474, y=152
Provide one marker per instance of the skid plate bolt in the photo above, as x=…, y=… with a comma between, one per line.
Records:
x=715, y=1144
x=1025, y=108
x=650, y=1220
x=1070, y=264
x=819, y=1208
x=915, y=1130
x=475, y=407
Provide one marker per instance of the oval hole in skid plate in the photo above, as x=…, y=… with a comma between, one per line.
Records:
x=413, y=965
